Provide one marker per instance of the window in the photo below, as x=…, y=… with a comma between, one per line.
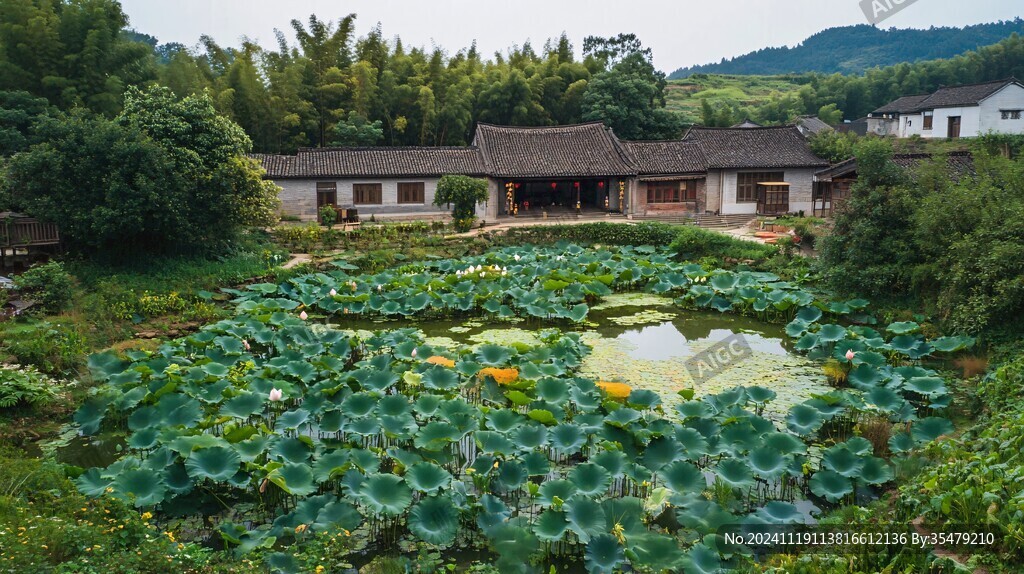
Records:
x=663, y=192
x=410, y=192
x=671, y=191
x=326, y=194
x=690, y=190
x=366, y=194
x=746, y=184
x=1011, y=114
x=928, y=118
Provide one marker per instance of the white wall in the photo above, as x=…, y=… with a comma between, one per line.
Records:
x=970, y=121
x=1010, y=97
x=801, y=184
x=883, y=126
x=910, y=125
x=298, y=198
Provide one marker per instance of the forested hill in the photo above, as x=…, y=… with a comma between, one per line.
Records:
x=854, y=49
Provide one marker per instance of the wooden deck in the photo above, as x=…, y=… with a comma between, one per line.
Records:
x=27, y=232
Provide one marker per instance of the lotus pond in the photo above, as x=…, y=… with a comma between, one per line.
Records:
x=530, y=401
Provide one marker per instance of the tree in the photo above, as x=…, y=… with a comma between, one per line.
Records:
x=73, y=53
x=462, y=193
x=871, y=250
x=20, y=112
x=356, y=130
x=629, y=98
x=833, y=145
x=165, y=175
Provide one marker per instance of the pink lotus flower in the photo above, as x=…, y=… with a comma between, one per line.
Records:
x=414, y=353
x=850, y=354
x=333, y=293
x=245, y=344
x=276, y=395
x=303, y=316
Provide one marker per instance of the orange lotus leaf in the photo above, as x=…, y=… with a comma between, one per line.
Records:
x=615, y=390
x=500, y=376
x=441, y=361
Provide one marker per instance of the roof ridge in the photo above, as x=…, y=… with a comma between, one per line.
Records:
x=1002, y=81
x=557, y=126
x=384, y=148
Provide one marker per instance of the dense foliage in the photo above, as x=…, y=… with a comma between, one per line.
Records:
x=330, y=86
x=856, y=49
x=164, y=175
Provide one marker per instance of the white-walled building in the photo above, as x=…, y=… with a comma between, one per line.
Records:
x=957, y=111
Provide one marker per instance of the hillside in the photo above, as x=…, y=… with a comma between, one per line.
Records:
x=684, y=96
x=855, y=49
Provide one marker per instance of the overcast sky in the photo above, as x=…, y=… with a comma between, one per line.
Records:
x=681, y=32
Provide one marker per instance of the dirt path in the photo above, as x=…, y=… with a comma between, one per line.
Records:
x=297, y=259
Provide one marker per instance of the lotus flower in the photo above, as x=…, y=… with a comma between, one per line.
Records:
x=276, y=395
x=303, y=316
x=413, y=353
x=245, y=344
x=333, y=293
x=380, y=288
x=517, y=258
x=483, y=274
x=850, y=354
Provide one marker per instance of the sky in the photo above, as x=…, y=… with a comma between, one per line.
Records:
x=680, y=32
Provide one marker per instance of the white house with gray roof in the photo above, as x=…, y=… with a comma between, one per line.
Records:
x=956, y=111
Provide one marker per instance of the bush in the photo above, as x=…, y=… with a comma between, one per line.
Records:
x=49, y=285
x=53, y=349
x=328, y=216
x=25, y=386
x=594, y=233
x=694, y=243
x=462, y=193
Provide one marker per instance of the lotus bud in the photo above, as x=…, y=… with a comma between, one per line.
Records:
x=245, y=344
x=276, y=395
x=517, y=258
x=303, y=316
x=850, y=354
x=333, y=293
x=413, y=353
x=380, y=288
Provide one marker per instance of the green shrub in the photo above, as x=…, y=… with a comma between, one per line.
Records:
x=57, y=350
x=594, y=233
x=49, y=285
x=328, y=216
x=25, y=386
x=694, y=243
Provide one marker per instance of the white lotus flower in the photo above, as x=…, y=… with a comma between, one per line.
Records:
x=413, y=353
x=303, y=316
x=276, y=395
x=333, y=293
x=482, y=274
x=517, y=258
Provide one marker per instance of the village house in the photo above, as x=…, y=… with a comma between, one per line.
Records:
x=756, y=171
x=956, y=111
x=558, y=170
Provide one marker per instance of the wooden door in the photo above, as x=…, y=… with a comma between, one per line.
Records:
x=954, y=127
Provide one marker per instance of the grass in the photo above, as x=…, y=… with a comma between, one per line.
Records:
x=684, y=96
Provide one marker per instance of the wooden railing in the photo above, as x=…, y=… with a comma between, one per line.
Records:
x=27, y=232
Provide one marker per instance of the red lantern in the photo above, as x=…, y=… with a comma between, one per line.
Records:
x=554, y=185
x=600, y=184
x=518, y=185
x=576, y=184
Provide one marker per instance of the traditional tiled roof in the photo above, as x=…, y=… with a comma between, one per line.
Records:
x=754, y=148
x=277, y=166
x=967, y=95
x=904, y=105
x=747, y=123
x=666, y=157
x=582, y=150
x=960, y=163
x=387, y=162
x=811, y=125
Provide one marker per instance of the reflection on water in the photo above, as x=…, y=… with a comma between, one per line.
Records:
x=665, y=341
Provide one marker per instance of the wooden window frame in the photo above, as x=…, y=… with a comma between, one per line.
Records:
x=375, y=191
x=412, y=192
x=746, y=183
x=929, y=121
x=688, y=189
x=326, y=194
x=663, y=192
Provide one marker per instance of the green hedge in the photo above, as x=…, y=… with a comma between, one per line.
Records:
x=594, y=233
